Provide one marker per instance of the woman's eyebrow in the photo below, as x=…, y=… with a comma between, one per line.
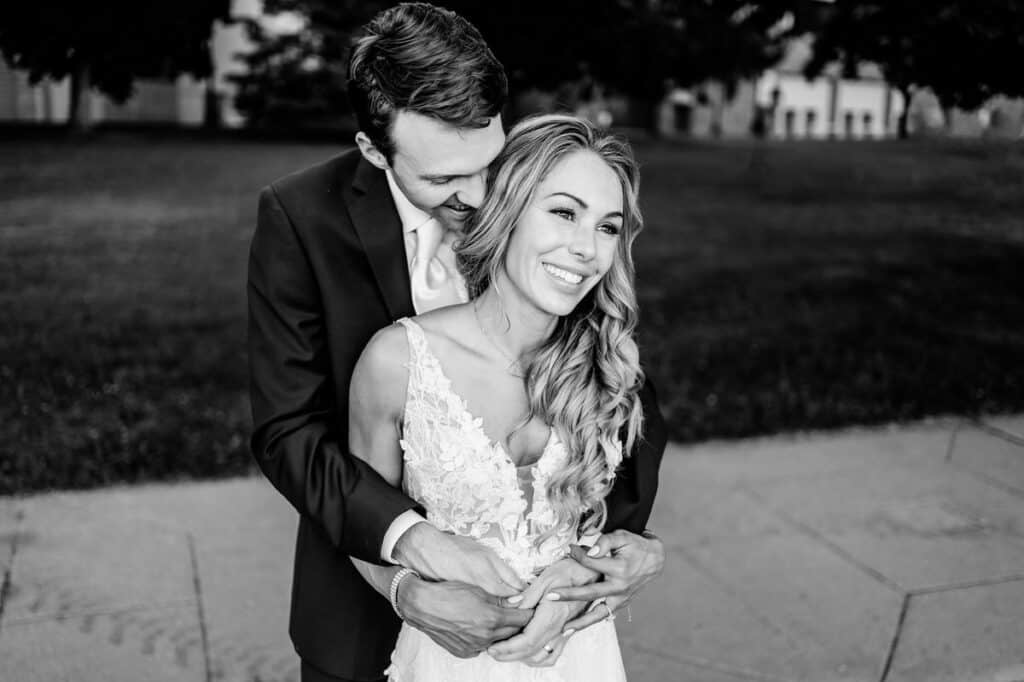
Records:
x=571, y=196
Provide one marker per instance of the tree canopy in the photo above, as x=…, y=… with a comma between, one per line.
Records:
x=629, y=46
x=107, y=46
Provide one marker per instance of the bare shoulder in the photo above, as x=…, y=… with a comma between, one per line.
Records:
x=381, y=374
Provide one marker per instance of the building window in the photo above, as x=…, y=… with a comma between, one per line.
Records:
x=790, y=122
x=867, y=124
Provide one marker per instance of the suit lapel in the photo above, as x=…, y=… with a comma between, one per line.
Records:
x=376, y=222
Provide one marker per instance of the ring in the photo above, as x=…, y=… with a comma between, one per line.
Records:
x=548, y=648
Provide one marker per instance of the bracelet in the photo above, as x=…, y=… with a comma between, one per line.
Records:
x=402, y=574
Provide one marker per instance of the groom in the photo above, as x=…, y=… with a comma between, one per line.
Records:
x=341, y=250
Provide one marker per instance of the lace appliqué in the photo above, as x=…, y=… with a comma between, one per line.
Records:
x=467, y=483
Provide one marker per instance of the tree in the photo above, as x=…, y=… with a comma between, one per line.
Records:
x=963, y=50
x=297, y=78
x=631, y=46
x=106, y=46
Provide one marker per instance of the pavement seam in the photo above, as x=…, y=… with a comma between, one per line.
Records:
x=86, y=613
x=5, y=584
x=890, y=655
x=197, y=586
x=951, y=448
x=985, y=478
x=954, y=587
x=1000, y=432
x=836, y=549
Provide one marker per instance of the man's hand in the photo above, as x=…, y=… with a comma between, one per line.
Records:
x=626, y=560
x=445, y=557
x=462, y=618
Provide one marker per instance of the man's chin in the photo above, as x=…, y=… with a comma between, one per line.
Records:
x=454, y=220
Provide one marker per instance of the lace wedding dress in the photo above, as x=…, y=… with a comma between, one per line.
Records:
x=469, y=486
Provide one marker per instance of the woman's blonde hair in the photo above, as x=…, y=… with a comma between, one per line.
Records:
x=584, y=380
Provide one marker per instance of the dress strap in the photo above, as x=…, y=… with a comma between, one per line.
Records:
x=423, y=366
x=417, y=340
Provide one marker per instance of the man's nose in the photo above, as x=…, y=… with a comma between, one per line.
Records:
x=472, y=189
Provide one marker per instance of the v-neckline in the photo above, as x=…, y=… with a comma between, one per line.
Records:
x=478, y=422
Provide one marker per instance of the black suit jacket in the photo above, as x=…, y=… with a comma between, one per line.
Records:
x=327, y=269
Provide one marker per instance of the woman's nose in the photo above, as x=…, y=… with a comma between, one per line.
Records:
x=584, y=242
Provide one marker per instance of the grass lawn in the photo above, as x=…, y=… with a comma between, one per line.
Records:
x=784, y=287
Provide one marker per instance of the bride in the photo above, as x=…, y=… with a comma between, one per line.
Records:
x=506, y=417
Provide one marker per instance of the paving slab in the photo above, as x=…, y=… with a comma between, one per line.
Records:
x=781, y=458
x=158, y=645
x=973, y=634
x=745, y=594
x=999, y=459
x=75, y=556
x=919, y=526
x=245, y=562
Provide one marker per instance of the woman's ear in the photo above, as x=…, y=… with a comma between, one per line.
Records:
x=370, y=152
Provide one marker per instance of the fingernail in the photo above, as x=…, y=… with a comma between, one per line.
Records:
x=594, y=551
x=552, y=596
x=516, y=599
x=569, y=633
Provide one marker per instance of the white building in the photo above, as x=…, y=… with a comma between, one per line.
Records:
x=828, y=107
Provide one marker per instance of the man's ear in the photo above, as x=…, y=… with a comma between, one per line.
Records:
x=370, y=152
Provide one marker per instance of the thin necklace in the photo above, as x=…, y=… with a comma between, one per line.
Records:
x=514, y=367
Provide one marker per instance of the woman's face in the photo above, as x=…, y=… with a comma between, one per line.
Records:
x=569, y=235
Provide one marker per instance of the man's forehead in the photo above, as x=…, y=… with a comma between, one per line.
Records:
x=435, y=148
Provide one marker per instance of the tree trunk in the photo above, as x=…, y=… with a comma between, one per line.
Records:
x=211, y=106
x=79, y=120
x=904, y=125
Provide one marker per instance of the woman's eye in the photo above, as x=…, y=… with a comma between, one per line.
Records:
x=566, y=213
x=610, y=228
x=440, y=181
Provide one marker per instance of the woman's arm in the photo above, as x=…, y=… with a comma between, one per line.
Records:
x=375, y=405
x=458, y=615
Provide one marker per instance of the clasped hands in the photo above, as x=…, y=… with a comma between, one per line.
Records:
x=470, y=600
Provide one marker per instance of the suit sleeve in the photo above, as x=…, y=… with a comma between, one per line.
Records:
x=298, y=439
x=636, y=484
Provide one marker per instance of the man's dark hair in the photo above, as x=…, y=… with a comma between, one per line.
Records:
x=421, y=58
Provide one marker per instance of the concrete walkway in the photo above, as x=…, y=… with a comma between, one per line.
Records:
x=894, y=555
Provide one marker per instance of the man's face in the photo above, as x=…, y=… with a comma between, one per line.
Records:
x=443, y=169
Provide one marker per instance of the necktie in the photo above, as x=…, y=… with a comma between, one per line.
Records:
x=435, y=280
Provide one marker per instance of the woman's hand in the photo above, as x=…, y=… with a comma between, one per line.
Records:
x=565, y=572
x=541, y=642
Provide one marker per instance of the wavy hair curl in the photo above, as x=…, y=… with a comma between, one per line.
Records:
x=584, y=380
